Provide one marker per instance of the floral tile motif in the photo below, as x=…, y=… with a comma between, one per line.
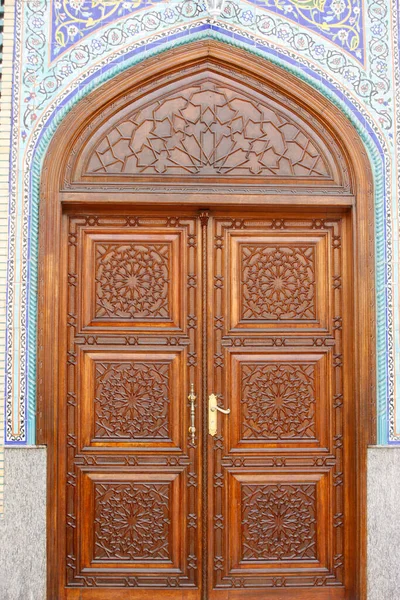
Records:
x=371, y=85
x=73, y=20
x=339, y=21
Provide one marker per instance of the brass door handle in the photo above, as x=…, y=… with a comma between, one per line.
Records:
x=192, y=401
x=213, y=409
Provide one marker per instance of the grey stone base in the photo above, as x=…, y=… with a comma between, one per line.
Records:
x=23, y=529
x=384, y=523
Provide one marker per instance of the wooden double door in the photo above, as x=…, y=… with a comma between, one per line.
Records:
x=160, y=310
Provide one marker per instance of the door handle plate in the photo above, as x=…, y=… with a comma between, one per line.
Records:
x=213, y=410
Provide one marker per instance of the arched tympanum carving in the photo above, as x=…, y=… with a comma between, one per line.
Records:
x=208, y=126
x=207, y=130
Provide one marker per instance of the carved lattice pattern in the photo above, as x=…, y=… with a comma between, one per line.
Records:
x=278, y=282
x=208, y=130
x=132, y=280
x=132, y=400
x=279, y=522
x=132, y=521
x=278, y=401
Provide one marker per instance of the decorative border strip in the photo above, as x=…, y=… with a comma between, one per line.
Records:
x=393, y=403
x=338, y=22
x=371, y=85
x=5, y=140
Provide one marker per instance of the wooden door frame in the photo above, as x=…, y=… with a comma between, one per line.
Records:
x=56, y=193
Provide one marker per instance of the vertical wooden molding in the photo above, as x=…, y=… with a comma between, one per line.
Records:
x=204, y=217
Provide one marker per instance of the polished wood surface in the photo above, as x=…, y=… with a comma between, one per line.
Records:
x=283, y=461
x=167, y=259
x=131, y=500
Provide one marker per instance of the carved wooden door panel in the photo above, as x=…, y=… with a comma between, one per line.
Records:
x=132, y=489
x=280, y=478
x=252, y=308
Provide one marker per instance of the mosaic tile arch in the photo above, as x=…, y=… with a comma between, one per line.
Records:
x=335, y=20
x=49, y=82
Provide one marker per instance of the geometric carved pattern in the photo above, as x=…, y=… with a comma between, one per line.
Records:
x=278, y=282
x=123, y=410
x=132, y=521
x=132, y=280
x=279, y=522
x=280, y=461
x=209, y=130
x=132, y=400
x=278, y=401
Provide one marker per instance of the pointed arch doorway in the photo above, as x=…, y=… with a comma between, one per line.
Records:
x=206, y=240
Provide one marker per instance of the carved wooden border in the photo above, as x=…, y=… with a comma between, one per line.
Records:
x=359, y=201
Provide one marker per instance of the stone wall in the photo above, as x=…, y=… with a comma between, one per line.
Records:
x=23, y=529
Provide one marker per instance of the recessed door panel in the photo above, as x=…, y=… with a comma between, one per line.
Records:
x=134, y=280
x=280, y=523
x=278, y=280
x=279, y=398
x=133, y=522
x=133, y=398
